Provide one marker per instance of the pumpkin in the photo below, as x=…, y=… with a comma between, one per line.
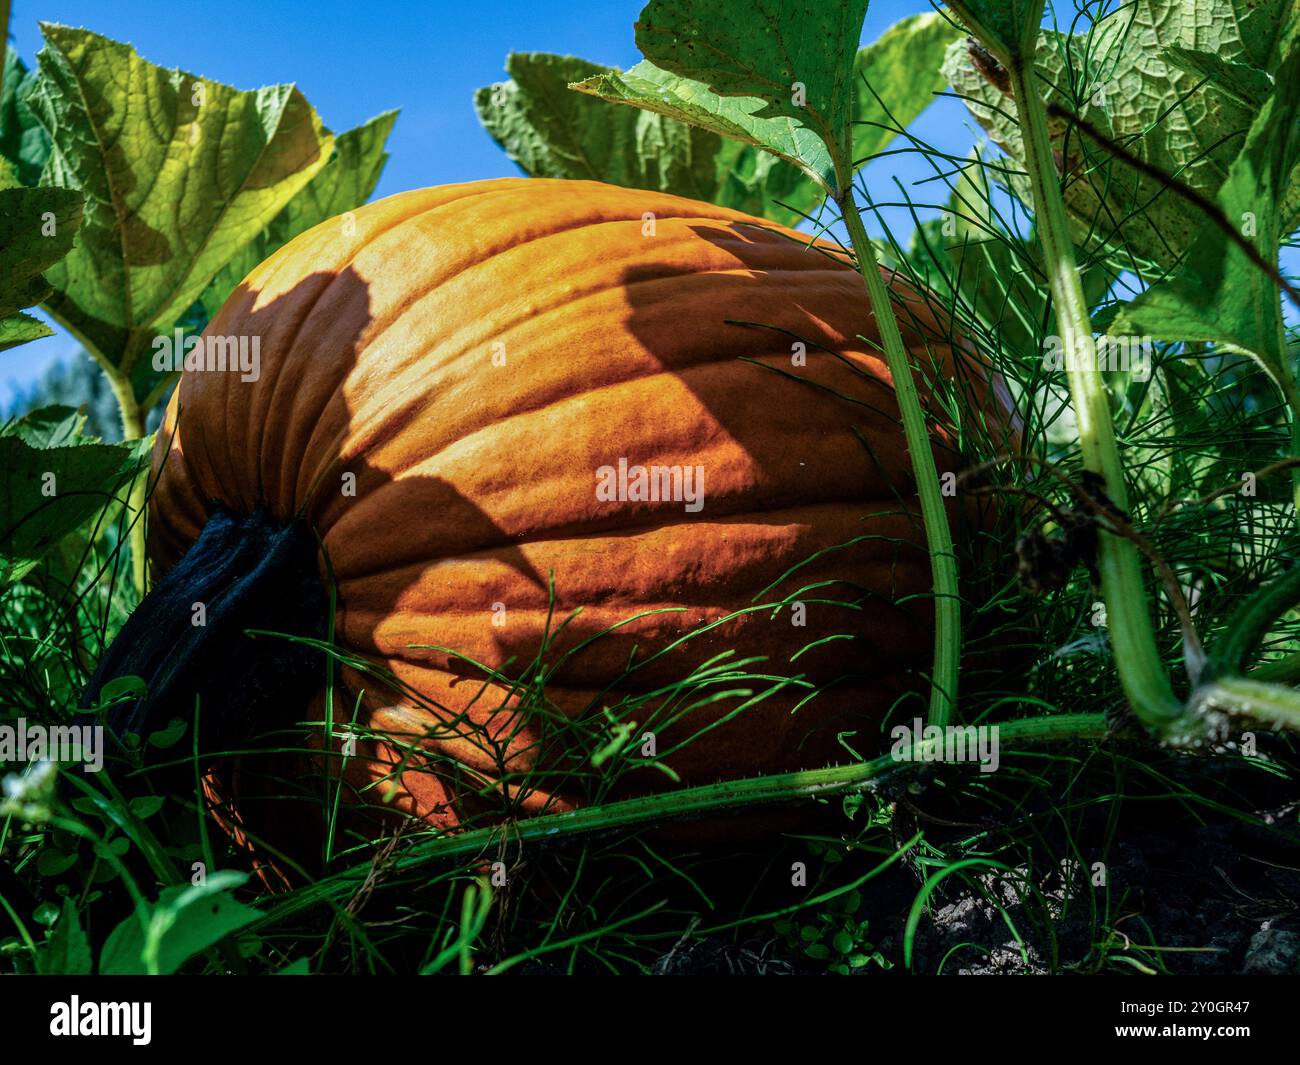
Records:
x=466, y=402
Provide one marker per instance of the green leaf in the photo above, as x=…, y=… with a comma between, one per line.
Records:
x=37, y=227
x=647, y=87
x=124, y=687
x=796, y=58
x=169, y=735
x=48, y=492
x=67, y=951
x=1008, y=28
x=179, y=175
x=185, y=921
x=53, y=426
x=344, y=183
x=54, y=862
x=115, y=847
x=1220, y=295
x=20, y=329
x=896, y=77
x=553, y=132
x=772, y=74
x=145, y=806
x=1247, y=86
x=1119, y=79
x=24, y=145
x=683, y=137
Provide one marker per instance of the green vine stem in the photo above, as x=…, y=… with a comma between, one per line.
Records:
x=134, y=415
x=1250, y=624
x=1141, y=672
x=1270, y=705
x=133, y=428
x=943, y=560
x=1285, y=670
x=1287, y=386
x=705, y=800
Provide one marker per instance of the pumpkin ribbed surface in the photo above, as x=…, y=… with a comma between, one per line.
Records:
x=442, y=376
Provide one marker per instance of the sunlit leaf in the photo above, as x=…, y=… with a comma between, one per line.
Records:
x=895, y=79
x=1221, y=295
x=344, y=183
x=179, y=174
x=1120, y=80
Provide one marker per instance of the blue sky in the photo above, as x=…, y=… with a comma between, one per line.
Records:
x=353, y=60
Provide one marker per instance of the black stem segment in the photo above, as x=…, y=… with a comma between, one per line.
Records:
x=189, y=638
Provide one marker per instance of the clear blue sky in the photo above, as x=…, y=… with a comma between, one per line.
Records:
x=354, y=59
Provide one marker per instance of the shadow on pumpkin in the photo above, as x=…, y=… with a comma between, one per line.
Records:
x=781, y=355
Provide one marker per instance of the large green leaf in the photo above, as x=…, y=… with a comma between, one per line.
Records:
x=692, y=102
x=553, y=132
x=1120, y=78
x=797, y=58
x=772, y=74
x=892, y=81
x=37, y=227
x=343, y=184
x=55, y=480
x=1221, y=295
x=179, y=175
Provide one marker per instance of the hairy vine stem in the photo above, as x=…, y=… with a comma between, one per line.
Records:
x=707, y=799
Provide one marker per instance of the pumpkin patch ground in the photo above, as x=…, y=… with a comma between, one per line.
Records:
x=739, y=529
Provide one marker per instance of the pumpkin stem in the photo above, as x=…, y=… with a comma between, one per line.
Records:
x=188, y=639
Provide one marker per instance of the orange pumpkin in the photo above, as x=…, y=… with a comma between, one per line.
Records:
x=451, y=383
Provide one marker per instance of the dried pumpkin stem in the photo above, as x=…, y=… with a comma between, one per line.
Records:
x=943, y=560
x=1141, y=672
